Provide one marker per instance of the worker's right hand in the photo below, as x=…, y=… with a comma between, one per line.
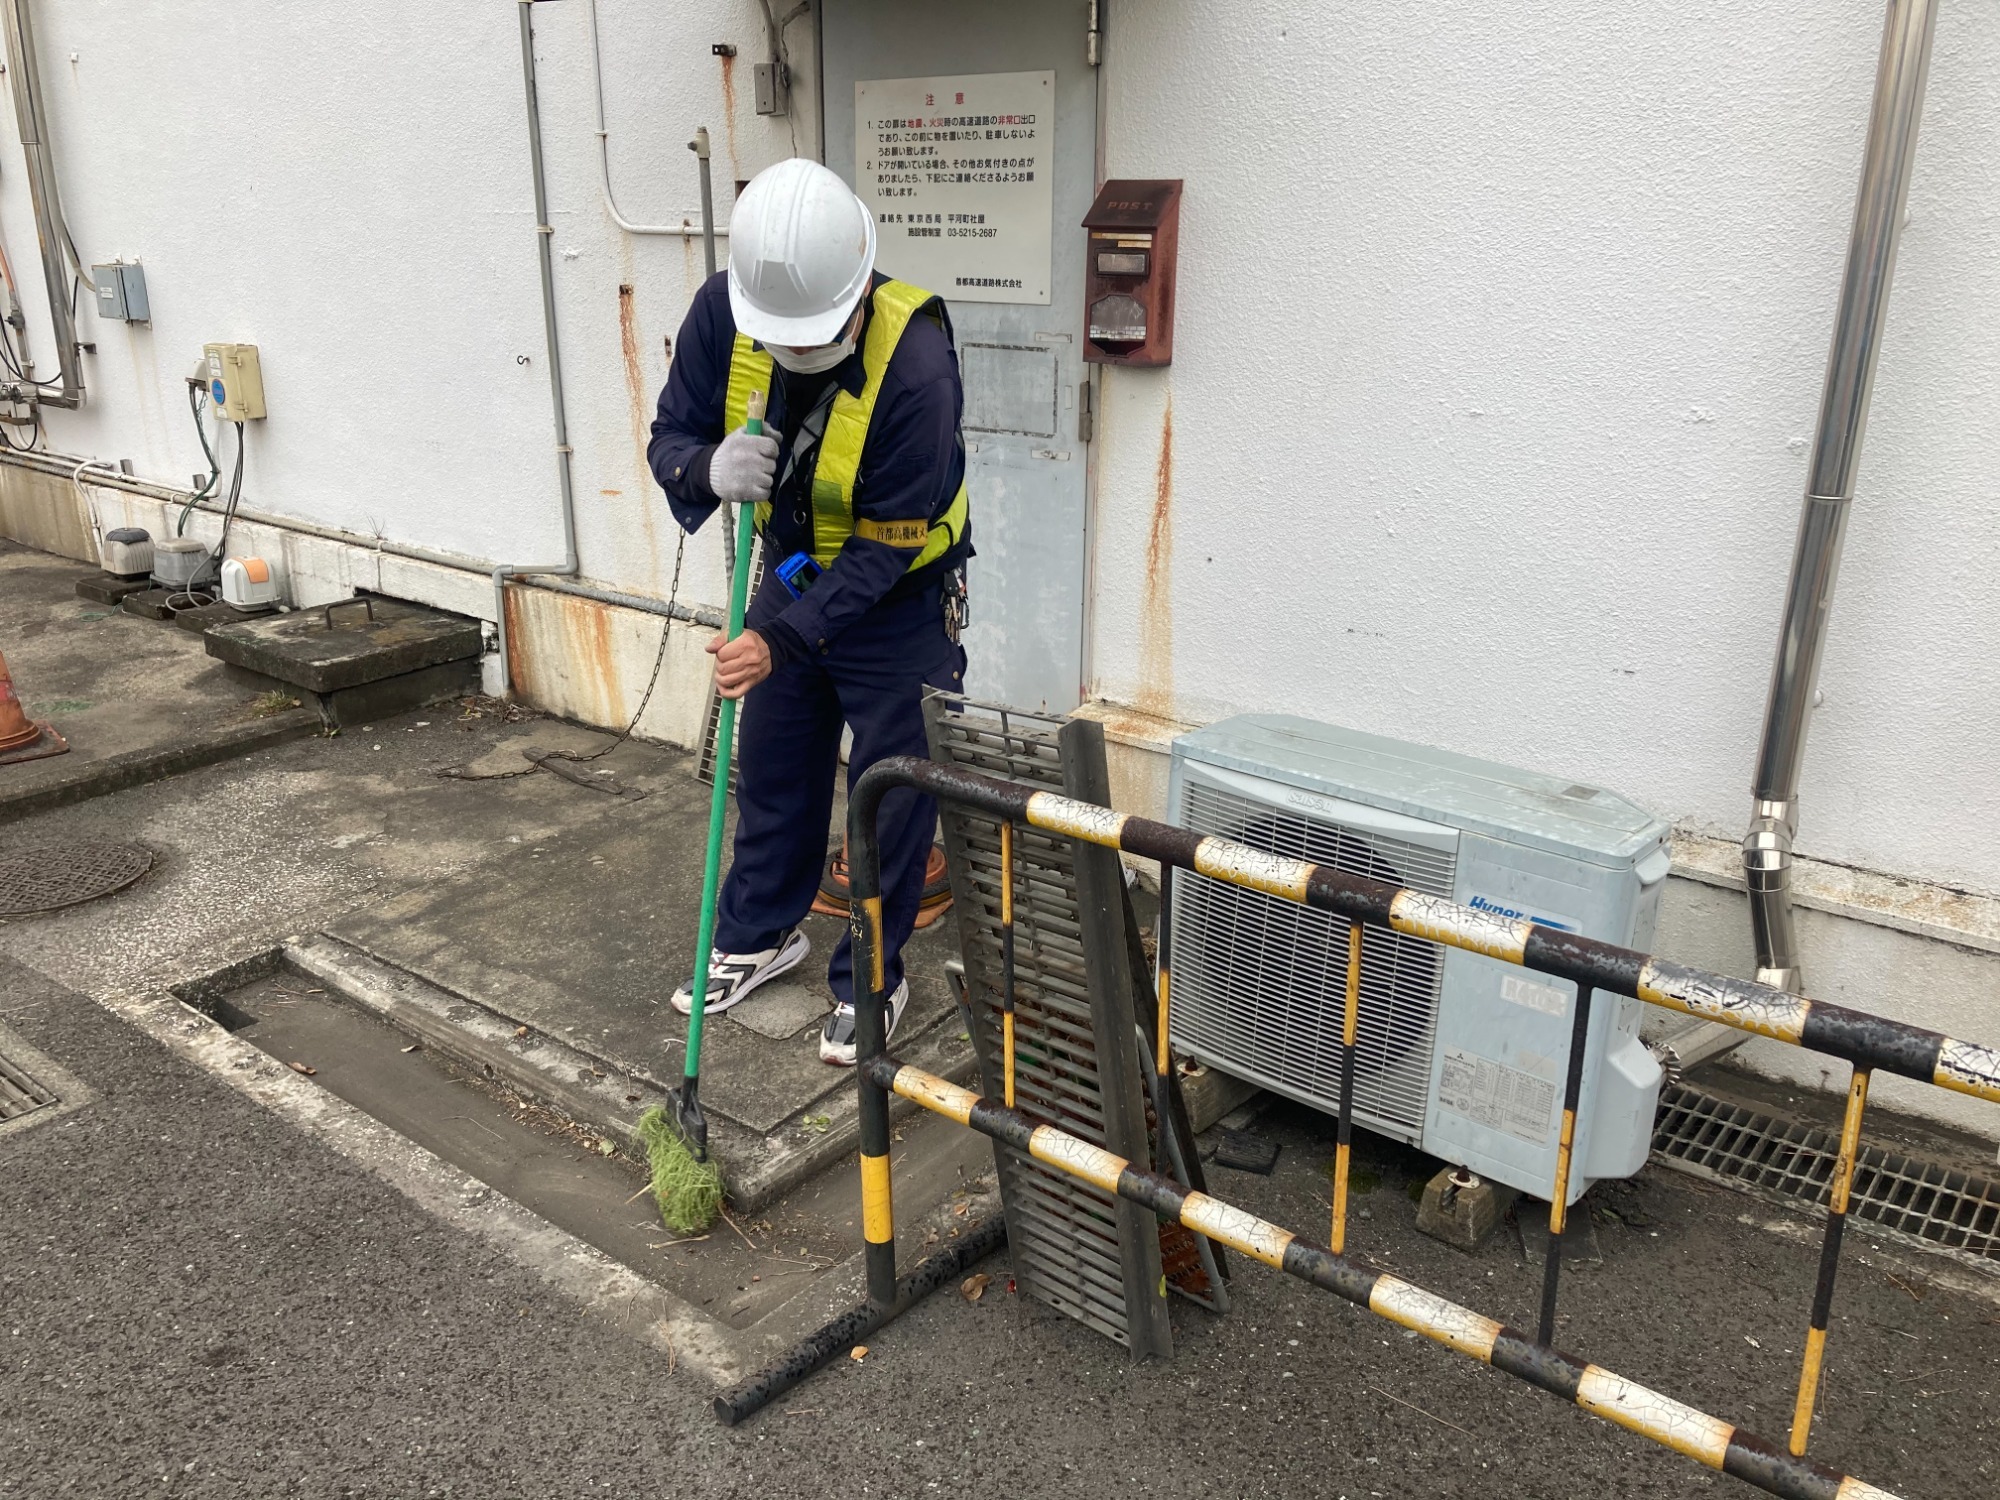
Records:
x=742, y=467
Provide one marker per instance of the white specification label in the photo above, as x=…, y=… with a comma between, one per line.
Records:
x=959, y=173
x=1545, y=998
x=1499, y=1097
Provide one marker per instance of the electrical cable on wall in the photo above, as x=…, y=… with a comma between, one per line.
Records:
x=197, y=401
x=197, y=595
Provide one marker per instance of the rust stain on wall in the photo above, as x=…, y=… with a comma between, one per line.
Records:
x=635, y=377
x=1155, y=693
x=639, y=405
x=729, y=114
x=561, y=655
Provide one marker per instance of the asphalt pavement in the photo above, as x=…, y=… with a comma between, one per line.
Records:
x=197, y=1298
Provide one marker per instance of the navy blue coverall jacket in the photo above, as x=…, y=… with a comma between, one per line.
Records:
x=859, y=648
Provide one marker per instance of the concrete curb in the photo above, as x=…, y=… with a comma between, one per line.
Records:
x=88, y=779
x=608, y=1290
x=595, y=1091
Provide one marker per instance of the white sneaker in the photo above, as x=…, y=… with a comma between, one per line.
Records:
x=731, y=976
x=836, y=1038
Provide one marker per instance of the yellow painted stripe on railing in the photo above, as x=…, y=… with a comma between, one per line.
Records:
x=1661, y=1418
x=1434, y=1317
x=878, y=1221
x=1077, y=820
x=936, y=1094
x=1239, y=864
x=1458, y=926
x=1224, y=1222
x=1968, y=1068
x=1079, y=1158
x=871, y=907
x=1767, y=1012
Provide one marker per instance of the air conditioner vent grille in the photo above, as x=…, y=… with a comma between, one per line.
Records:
x=1260, y=983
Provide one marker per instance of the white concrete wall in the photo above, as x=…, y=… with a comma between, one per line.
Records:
x=1500, y=337
x=348, y=188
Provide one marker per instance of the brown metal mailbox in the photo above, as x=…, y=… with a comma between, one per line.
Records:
x=1128, y=308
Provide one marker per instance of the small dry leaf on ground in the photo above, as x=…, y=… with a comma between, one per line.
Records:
x=974, y=1287
x=858, y=1353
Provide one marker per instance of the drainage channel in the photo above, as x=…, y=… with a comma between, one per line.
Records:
x=21, y=1093
x=1933, y=1204
x=741, y=1272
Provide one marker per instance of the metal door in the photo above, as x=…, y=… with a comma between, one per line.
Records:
x=1022, y=366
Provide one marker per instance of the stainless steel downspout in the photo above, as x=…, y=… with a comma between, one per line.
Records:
x=1843, y=416
x=543, y=233
x=50, y=230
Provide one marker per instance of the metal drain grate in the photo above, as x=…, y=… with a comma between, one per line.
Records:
x=1937, y=1204
x=20, y=1094
x=56, y=875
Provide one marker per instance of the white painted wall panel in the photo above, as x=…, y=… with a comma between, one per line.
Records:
x=1500, y=338
x=348, y=187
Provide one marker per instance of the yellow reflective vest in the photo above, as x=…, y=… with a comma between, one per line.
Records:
x=895, y=303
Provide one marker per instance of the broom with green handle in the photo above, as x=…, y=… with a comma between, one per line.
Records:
x=687, y=1184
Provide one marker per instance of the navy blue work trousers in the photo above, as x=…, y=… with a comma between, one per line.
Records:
x=871, y=679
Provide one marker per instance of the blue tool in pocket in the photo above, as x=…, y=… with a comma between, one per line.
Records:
x=798, y=573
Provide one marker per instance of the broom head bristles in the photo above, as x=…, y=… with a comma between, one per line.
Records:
x=689, y=1191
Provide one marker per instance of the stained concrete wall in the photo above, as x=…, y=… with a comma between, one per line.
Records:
x=348, y=188
x=1500, y=335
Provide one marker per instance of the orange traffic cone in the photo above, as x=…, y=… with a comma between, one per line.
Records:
x=20, y=737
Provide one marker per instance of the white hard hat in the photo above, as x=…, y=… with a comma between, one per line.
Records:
x=801, y=246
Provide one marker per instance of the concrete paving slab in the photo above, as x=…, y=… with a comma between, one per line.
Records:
x=583, y=938
x=136, y=700
x=781, y=1010
x=346, y=644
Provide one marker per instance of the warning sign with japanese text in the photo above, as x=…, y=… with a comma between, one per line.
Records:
x=958, y=173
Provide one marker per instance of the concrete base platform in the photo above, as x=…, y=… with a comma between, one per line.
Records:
x=555, y=971
x=109, y=588
x=135, y=702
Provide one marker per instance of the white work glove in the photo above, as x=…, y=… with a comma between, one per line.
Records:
x=742, y=467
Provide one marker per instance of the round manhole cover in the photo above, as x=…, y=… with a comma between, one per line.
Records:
x=53, y=875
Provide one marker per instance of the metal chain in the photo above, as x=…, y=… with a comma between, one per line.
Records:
x=659, y=658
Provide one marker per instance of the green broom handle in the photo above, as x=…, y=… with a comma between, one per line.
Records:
x=725, y=744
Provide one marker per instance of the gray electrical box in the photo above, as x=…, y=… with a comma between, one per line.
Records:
x=121, y=292
x=773, y=85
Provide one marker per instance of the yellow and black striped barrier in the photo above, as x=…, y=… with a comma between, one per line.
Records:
x=1868, y=1042
x=1695, y=1434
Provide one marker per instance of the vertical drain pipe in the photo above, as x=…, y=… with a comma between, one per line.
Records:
x=1836, y=452
x=50, y=230
x=543, y=234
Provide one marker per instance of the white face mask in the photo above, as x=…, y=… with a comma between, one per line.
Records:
x=813, y=361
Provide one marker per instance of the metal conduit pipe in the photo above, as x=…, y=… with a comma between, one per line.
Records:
x=49, y=227
x=1836, y=452
x=682, y=231
x=569, y=566
x=64, y=467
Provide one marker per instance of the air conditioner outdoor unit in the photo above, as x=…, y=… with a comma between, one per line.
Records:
x=1460, y=1055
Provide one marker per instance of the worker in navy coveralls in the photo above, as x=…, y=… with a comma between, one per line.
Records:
x=859, y=485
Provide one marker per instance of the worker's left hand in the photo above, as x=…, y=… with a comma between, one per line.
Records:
x=740, y=664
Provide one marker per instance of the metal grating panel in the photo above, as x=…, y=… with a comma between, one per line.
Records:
x=1936, y=1204
x=20, y=1093
x=1064, y=1234
x=1260, y=983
